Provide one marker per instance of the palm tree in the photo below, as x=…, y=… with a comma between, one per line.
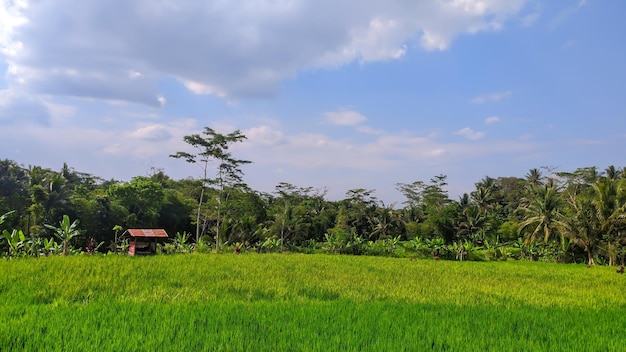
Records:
x=609, y=202
x=534, y=177
x=542, y=214
x=581, y=224
x=385, y=221
x=611, y=172
x=470, y=223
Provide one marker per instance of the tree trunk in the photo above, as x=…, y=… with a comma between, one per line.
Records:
x=589, y=256
x=198, y=214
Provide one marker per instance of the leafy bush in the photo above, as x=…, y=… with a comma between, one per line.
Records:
x=384, y=247
x=340, y=241
x=270, y=245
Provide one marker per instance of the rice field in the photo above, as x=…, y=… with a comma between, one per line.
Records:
x=291, y=302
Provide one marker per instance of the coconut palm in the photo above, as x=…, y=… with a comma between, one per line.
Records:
x=542, y=214
x=582, y=225
x=609, y=202
x=534, y=177
x=470, y=223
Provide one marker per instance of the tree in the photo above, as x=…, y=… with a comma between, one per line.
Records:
x=582, y=225
x=289, y=193
x=534, y=177
x=542, y=213
x=470, y=223
x=299, y=214
x=14, y=191
x=360, y=206
x=143, y=199
x=65, y=232
x=489, y=200
x=386, y=223
x=213, y=146
x=609, y=201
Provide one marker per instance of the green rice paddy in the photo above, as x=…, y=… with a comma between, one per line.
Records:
x=291, y=302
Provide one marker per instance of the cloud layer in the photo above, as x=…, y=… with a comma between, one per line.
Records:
x=120, y=49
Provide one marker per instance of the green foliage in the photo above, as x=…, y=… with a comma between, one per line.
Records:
x=437, y=246
x=412, y=230
x=340, y=241
x=142, y=198
x=461, y=250
x=563, y=216
x=179, y=245
x=65, y=232
x=508, y=231
x=212, y=145
x=3, y=217
x=203, y=246
x=384, y=247
x=271, y=245
x=16, y=241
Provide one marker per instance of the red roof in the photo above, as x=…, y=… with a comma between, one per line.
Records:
x=147, y=233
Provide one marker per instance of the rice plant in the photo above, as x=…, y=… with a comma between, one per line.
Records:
x=279, y=302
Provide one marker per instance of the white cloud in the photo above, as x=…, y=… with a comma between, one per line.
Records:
x=481, y=99
x=437, y=152
x=228, y=48
x=11, y=18
x=162, y=101
x=470, y=134
x=344, y=118
x=155, y=132
x=307, y=151
x=492, y=119
x=263, y=135
x=134, y=74
x=369, y=130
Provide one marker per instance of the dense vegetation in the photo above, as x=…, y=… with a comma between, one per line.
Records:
x=283, y=302
x=547, y=215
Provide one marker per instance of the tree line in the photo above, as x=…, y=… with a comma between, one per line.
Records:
x=550, y=215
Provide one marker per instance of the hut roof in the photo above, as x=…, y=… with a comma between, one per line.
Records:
x=147, y=233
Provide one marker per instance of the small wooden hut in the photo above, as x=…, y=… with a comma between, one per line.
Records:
x=144, y=241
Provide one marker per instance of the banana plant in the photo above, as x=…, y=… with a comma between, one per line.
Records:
x=15, y=240
x=3, y=217
x=437, y=245
x=65, y=232
x=49, y=246
x=180, y=242
x=32, y=246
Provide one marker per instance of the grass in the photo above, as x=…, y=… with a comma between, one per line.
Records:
x=285, y=302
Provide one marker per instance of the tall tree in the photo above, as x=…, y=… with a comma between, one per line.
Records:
x=541, y=213
x=581, y=225
x=143, y=199
x=213, y=146
x=609, y=200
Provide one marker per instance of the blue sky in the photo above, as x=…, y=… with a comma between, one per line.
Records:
x=341, y=95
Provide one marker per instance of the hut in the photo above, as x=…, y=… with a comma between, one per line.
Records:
x=144, y=241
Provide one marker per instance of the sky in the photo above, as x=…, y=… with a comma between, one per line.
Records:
x=334, y=95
